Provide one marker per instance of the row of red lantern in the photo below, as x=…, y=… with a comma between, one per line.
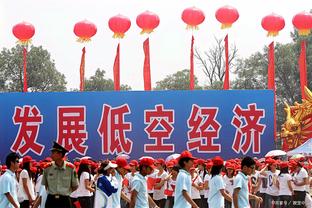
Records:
x=148, y=21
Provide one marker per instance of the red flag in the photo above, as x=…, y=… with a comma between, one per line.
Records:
x=117, y=69
x=226, y=84
x=271, y=67
x=25, y=87
x=303, y=68
x=82, y=69
x=192, y=65
x=271, y=79
x=146, y=69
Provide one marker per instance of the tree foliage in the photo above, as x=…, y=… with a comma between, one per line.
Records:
x=98, y=82
x=41, y=71
x=177, y=81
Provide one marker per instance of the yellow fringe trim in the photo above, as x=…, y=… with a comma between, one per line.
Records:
x=226, y=26
x=24, y=42
x=147, y=31
x=192, y=27
x=272, y=33
x=304, y=32
x=119, y=35
x=83, y=40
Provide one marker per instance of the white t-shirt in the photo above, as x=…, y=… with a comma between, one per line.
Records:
x=229, y=184
x=201, y=174
x=207, y=179
x=171, y=185
x=38, y=184
x=298, y=177
x=160, y=194
x=263, y=184
x=129, y=177
x=81, y=190
x=215, y=198
x=153, y=175
x=21, y=194
x=195, y=194
x=272, y=188
x=283, y=184
x=254, y=179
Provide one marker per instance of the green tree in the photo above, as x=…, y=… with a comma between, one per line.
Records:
x=252, y=73
x=98, y=82
x=177, y=81
x=41, y=71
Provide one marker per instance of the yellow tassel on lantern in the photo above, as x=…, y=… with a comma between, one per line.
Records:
x=226, y=25
x=119, y=35
x=272, y=33
x=192, y=27
x=148, y=31
x=304, y=32
x=83, y=39
x=24, y=42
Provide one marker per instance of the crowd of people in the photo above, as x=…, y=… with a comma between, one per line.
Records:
x=183, y=182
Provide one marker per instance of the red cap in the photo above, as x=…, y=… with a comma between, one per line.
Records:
x=122, y=163
x=160, y=161
x=85, y=162
x=283, y=164
x=28, y=159
x=209, y=165
x=134, y=163
x=270, y=161
x=217, y=161
x=229, y=165
x=170, y=164
x=4, y=168
x=48, y=159
x=186, y=154
x=200, y=162
x=147, y=162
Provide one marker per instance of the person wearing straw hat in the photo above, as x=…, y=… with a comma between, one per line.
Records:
x=59, y=178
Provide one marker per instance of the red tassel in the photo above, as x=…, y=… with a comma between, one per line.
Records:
x=303, y=68
x=226, y=84
x=147, y=70
x=25, y=87
x=82, y=69
x=271, y=79
x=117, y=69
x=192, y=65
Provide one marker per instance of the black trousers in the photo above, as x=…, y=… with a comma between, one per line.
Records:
x=85, y=202
x=285, y=201
x=160, y=203
x=170, y=200
x=24, y=204
x=59, y=201
x=299, y=199
x=204, y=201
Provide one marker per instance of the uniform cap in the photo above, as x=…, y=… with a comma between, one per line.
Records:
x=59, y=148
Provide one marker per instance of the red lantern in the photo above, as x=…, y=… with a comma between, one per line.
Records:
x=273, y=23
x=84, y=30
x=119, y=24
x=303, y=23
x=23, y=31
x=227, y=15
x=193, y=17
x=147, y=21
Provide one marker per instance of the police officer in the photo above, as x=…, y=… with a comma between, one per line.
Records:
x=59, y=178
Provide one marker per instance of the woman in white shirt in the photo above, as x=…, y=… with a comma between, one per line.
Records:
x=197, y=186
x=171, y=184
x=160, y=185
x=216, y=185
x=284, y=185
x=84, y=190
x=206, y=183
x=26, y=191
x=228, y=179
